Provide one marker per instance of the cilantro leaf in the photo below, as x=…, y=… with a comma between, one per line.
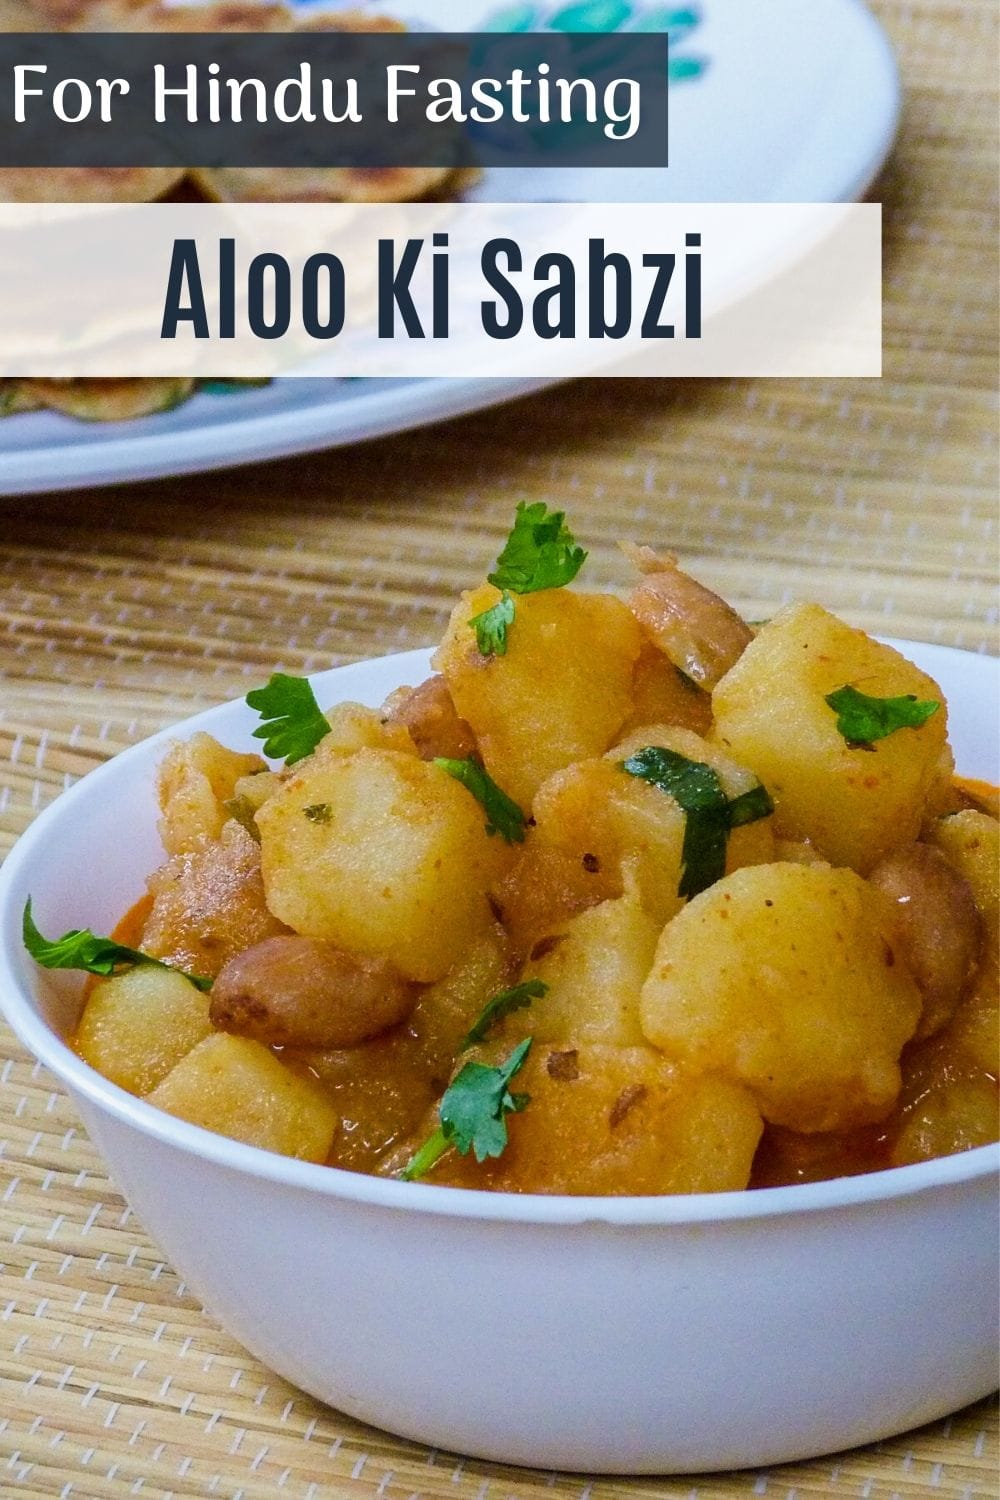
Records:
x=709, y=815
x=540, y=552
x=502, y=1005
x=293, y=723
x=863, y=720
x=503, y=815
x=319, y=812
x=473, y=1113
x=81, y=949
x=491, y=626
x=750, y=807
x=241, y=809
x=698, y=790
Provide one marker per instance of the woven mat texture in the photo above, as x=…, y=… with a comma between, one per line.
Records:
x=127, y=609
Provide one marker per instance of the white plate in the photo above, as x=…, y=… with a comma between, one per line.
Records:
x=780, y=102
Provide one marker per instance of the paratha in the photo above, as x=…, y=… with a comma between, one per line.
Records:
x=118, y=400
x=105, y=400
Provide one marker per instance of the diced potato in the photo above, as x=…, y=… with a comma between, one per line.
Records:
x=855, y=805
x=354, y=727
x=954, y=1117
x=197, y=777
x=970, y=842
x=255, y=789
x=615, y=824
x=971, y=794
x=238, y=1088
x=383, y=1089
x=949, y=1099
x=136, y=1026
x=663, y=695
x=594, y=967
x=753, y=843
x=560, y=694
x=613, y=1121
x=797, y=852
x=974, y=1031
x=445, y=1011
x=381, y=853
x=545, y=886
x=208, y=905
x=944, y=795
x=618, y=827
x=784, y=977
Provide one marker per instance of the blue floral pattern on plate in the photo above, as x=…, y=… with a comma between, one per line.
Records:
x=601, y=16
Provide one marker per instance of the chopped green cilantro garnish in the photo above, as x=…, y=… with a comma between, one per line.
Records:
x=863, y=720
x=491, y=626
x=709, y=815
x=318, y=812
x=540, y=552
x=698, y=790
x=81, y=949
x=503, y=815
x=473, y=1112
x=750, y=807
x=293, y=723
x=241, y=809
x=502, y=1005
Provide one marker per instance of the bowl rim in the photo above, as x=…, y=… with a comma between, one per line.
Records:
x=18, y=1003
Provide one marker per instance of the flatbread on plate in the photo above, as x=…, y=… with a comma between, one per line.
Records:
x=117, y=400
x=105, y=400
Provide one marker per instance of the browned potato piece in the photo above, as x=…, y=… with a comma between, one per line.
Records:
x=594, y=967
x=938, y=925
x=430, y=718
x=974, y=1031
x=383, y=1088
x=355, y=727
x=561, y=693
x=975, y=796
x=663, y=695
x=545, y=887
x=136, y=1026
x=797, y=852
x=696, y=630
x=784, y=977
x=855, y=805
x=209, y=905
x=753, y=844
x=236, y=1087
x=621, y=828
x=954, y=1117
x=970, y=842
x=617, y=825
x=196, y=779
x=253, y=791
x=300, y=992
x=613, y=1121
x=949, y=1099
x=381, y=853
x=943, y=795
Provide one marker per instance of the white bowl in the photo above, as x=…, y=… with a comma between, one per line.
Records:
x=607, y=1335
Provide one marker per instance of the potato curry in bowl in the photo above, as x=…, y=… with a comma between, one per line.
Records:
x=627, y=898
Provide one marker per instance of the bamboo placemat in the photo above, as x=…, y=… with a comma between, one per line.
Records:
x=127, y=609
